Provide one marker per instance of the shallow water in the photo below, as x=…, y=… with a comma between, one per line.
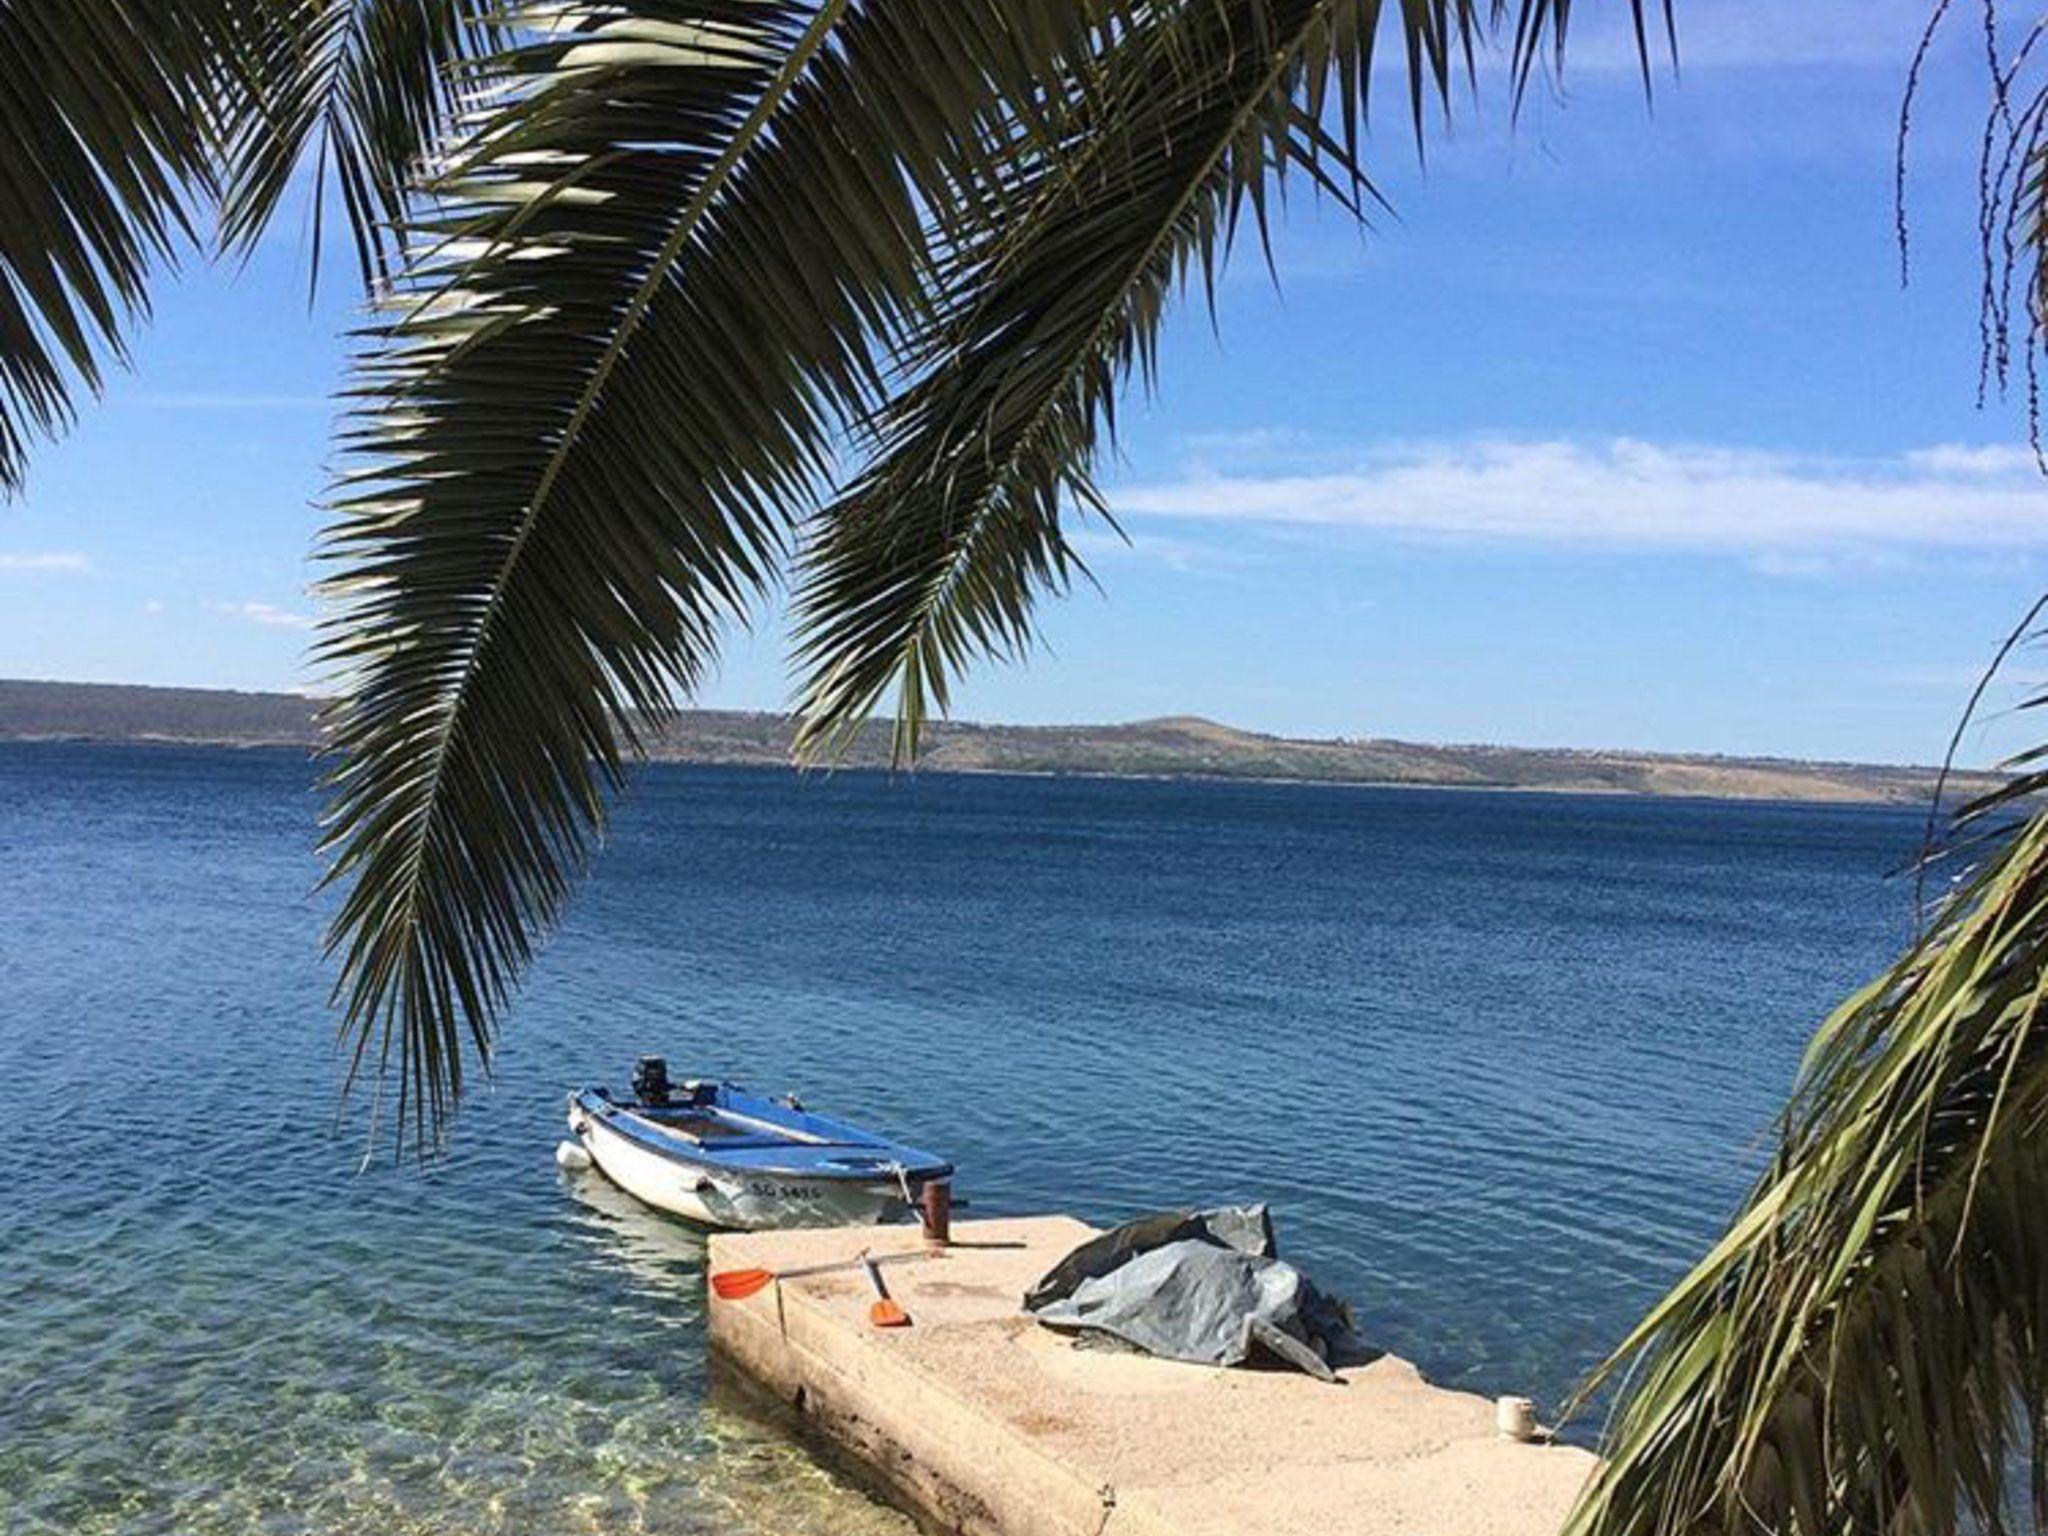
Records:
x=1500, y=1062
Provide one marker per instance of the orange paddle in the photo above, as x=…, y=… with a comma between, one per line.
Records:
x=738, y=1284
x=886, y=1312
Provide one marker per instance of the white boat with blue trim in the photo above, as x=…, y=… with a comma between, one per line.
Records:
x=714, y=1153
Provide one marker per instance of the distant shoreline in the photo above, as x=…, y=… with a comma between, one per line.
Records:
x=923, y=770
x=1184, y=748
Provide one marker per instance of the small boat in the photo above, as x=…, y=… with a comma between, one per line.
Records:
x=714, y=1153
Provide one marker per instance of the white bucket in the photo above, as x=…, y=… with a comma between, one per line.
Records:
x=1515, y=1417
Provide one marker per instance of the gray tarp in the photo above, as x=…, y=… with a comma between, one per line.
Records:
x=1201, y=1286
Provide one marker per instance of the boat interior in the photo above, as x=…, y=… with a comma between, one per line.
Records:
x=728, y=1125
x=707, y=1124
x=700, y=1112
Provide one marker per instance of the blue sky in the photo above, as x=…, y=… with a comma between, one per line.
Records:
x=1621, y=432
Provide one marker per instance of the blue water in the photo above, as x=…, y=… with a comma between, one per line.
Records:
x=1501, y=1063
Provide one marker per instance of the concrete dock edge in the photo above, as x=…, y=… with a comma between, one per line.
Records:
x=979, y=1422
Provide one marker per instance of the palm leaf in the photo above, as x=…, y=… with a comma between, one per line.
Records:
x=2012, y=188
x=624, y=353
x=107, y=112
x=937, y=554
x=609, y=380
x=356, y=90
x=1868, y=1348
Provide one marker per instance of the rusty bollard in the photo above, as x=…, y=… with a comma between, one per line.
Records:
x=936, y=1208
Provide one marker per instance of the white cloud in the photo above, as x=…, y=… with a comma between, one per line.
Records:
x=1960, y=459
x=267, y=614
x=62, y=560
x=1626, y=493
x=1261, y=441
x=1185, y=555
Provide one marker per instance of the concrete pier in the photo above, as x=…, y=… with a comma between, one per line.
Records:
x=981, y=1422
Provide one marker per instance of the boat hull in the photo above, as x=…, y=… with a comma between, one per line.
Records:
x=747, y=1200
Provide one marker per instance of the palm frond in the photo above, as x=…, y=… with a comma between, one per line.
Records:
x=610, y=380
x=1867, y=1348
x=356, y=90
x=107, y=113
x=936, y=555
x=2012, y=195
x=625, y=351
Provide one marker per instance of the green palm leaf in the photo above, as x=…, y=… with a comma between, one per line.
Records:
x=360, y=90
x=626, y=350
x=611, y=379
x=936, y=555
x=107, y=112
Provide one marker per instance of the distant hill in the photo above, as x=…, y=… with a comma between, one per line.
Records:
x=103, y=712
x=1181, y=746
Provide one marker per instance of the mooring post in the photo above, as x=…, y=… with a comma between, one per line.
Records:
x=936, y=1207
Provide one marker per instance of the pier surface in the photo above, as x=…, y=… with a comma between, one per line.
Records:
x=982, y=1422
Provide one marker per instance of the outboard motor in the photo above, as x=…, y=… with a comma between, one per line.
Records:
x=650, y=1082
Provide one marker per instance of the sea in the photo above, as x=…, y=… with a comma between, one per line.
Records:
x=1502, y=1064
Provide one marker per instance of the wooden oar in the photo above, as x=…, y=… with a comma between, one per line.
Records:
x=738, y=1284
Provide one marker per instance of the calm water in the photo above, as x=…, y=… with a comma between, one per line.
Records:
x=1501, y=1063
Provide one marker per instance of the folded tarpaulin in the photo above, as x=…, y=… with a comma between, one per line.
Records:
x=1202, y=1286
